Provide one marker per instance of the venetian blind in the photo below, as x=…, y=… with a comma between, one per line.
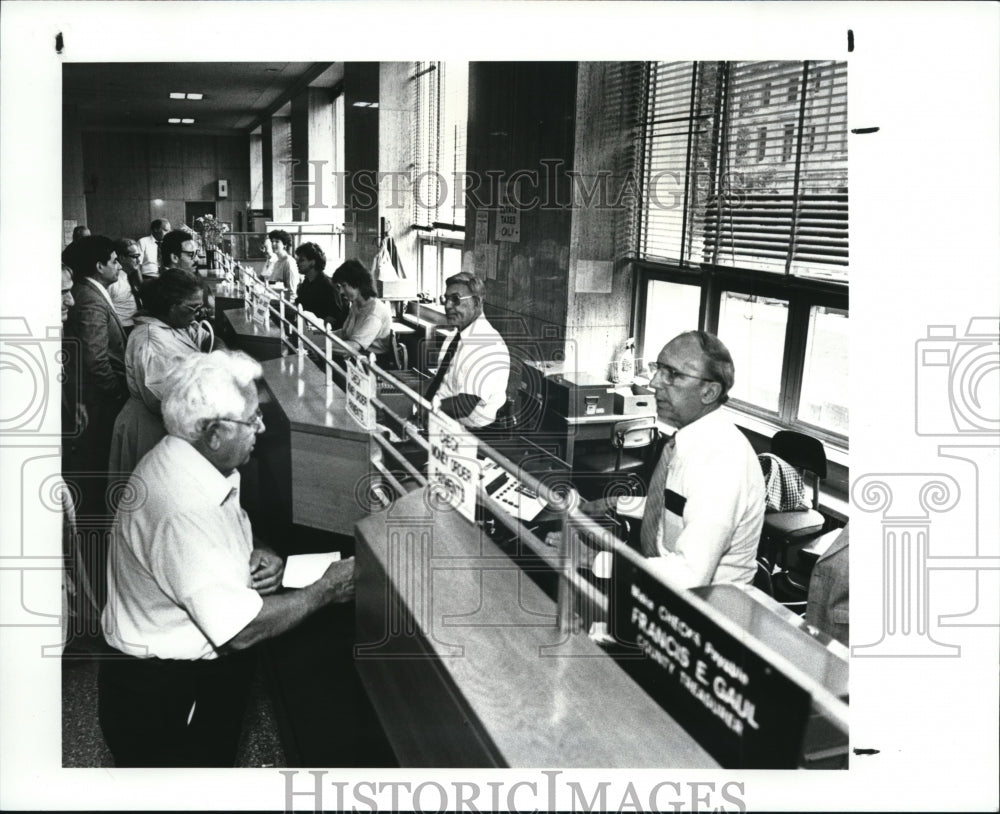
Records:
x=441, y=101
x=745, y=165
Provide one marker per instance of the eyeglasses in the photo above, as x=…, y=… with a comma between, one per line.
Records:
x=185, y=251
x=134, y=256
x=671, y=374
x=453, y=299
x=256, y=420
x=197, y=310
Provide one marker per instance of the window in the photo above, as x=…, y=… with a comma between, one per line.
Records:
x=825, y=384
x=439, y=259
x=761, y=143
x=441, y=103
x=675, y=306
x=788, y=143
x=751, y=243
x=781, y=212
x=753, y=328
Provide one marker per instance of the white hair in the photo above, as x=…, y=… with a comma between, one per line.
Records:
x=206, y=386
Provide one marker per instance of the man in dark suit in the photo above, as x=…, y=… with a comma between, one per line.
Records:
x=95, y=341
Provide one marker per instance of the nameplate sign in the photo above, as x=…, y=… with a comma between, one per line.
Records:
x=736, y=704
x=360, y=391
x=453, y=473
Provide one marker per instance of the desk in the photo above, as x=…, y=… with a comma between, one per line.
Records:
x=262, y=342
x=570, y=431
x=476, y=674
x=330, y=453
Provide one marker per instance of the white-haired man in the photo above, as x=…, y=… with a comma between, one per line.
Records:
x=187, y=591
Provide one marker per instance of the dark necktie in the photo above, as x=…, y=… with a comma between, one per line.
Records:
x=443, y=367
x=652, y=517
x=159, y=254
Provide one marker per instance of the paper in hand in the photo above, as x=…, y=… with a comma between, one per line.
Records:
x=305, y=569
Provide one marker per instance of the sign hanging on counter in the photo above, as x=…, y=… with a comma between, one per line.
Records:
x=360, y=392
x=453, y=472
x=737, y=705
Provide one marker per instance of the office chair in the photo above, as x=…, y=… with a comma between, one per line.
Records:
x=784, y=533
x=626, y=437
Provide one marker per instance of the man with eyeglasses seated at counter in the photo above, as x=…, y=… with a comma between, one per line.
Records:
x=474, y=368
x=702, y=520
x=188, y=591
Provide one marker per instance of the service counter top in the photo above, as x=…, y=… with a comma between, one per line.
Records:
x=299, y=386
x=461, y=655
x=329, y=454
x=259, y=341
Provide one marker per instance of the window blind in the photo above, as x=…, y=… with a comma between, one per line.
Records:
x=441, y=101
x=745, y=165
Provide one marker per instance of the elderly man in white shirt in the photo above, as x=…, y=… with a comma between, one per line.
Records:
x=474, y=368
x=705, y=510
x=188, y=592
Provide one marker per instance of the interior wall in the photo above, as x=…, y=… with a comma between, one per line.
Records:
x=521, y=118
x=131, y=178
x=361, y=156
x=600, y=274
x=74, y=201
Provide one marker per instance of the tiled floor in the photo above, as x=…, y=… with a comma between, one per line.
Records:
x=83, y=745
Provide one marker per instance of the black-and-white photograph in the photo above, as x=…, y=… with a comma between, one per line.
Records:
x=476, y=430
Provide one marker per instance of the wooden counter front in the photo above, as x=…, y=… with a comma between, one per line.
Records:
x=461, y=656
x=259, y=341
x=329, y=452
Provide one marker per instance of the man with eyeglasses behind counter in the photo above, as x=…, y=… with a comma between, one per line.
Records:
x=705, y=509
x=704, y=512
x=474, y=366
x=125, y=291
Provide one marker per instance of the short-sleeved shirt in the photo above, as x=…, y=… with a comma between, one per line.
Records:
x=480, y=367
x=179, y=562
x=369, y=324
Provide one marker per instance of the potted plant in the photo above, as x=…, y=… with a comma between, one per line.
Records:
x=211, y=232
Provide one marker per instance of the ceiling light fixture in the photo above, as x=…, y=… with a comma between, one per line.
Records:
x=196, y=96
x=176, y=95
x=187, y=121
x=173, y=121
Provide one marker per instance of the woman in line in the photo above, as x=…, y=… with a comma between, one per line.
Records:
x=280, y=266
x=165, y=332
x=368, y=326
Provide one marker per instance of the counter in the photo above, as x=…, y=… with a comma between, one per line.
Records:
x=461, y=656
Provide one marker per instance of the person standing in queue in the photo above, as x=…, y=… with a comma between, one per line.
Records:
x=161, y=339
x=189, y=594
x=151, y=248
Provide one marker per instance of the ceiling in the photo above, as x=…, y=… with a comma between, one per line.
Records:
x=135, y=96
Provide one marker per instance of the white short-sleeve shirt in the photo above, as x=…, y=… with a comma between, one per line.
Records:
x=179, y=562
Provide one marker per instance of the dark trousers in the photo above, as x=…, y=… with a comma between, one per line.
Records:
x=144, y=705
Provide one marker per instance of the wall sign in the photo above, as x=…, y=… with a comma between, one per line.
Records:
x=453, y=472
x=508, y=224
x=737, y=705
x=360, y=391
